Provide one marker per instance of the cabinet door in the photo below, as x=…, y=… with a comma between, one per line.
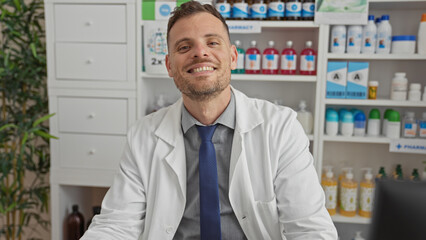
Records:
x=103, y=62
x=90, y=23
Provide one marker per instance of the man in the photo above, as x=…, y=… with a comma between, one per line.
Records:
x=265, y=186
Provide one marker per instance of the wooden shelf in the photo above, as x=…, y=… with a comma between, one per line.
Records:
x=377, y=102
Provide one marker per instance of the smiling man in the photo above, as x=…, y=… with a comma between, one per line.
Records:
x=216, y=164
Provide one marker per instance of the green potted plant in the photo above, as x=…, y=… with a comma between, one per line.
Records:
x=24, y=133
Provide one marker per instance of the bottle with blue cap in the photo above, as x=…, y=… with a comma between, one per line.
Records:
x=384, y=35
x=369, y=36
x=347, y=124
x=359, y=124
x=331, y=122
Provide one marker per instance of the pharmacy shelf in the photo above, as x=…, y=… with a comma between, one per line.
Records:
x=397, y=4
x=352, y=139
x=376, y=56
x=273, y=24
x=250, y=77
x=357, y=219
x=377, y=102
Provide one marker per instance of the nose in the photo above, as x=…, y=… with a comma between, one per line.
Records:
x=200, y=51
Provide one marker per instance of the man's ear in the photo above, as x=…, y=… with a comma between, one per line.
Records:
x=234, y=57
x=169, y=70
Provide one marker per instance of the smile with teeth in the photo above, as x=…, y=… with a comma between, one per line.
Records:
x=201, y=69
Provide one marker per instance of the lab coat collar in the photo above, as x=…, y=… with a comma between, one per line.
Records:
x=247, y=116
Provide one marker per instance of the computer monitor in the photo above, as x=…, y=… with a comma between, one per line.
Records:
x=399, y=211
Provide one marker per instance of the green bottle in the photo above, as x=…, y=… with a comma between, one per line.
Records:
x=415, y=175
x=398, y=173
x=381, y=175
x=240, y=59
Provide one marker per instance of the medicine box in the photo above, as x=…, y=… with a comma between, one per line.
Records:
x=357, y=80
x=336, y=79
x=155, y=46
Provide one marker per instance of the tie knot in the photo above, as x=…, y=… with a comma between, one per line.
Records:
x=206, y=132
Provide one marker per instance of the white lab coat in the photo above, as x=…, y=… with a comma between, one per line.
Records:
x=273, y=186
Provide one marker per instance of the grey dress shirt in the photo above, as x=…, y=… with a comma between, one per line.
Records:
x=189, y=227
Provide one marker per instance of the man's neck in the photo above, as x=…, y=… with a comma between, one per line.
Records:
x=206, y=112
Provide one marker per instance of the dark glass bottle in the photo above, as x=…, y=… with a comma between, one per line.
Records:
x=96, y=211
x=293, y=10
x=276, y=10
x=75, y=224
x=308, y=10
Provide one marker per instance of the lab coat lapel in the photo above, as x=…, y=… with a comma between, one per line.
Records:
x=170, y=137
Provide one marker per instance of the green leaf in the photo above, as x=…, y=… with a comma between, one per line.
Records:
x=24, y=139
x=44, y=135
x=33, y=49
x=42, y=119
x=17, y=4
x=10, y=125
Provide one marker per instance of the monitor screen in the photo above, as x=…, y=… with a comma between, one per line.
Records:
x=399, y=211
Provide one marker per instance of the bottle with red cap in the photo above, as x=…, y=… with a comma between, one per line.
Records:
x=288, y=59
x=270, y=59
x=307, y=60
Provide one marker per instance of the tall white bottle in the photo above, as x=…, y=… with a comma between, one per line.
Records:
x=305, y=117
x=421, y=38
x=384, y=36
x=369, y=36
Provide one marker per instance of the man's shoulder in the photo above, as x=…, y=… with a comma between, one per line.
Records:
x=151, y=121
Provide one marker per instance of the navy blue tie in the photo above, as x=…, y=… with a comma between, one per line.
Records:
x=209, y=191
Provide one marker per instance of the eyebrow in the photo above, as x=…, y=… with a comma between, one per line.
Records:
x=205, y=36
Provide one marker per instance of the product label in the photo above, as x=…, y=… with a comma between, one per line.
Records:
x=276, y=9
x=270, y=62
x=383, y=41
x=224, y=9
x=422, y=131
x=240, y=61
x=366, y=199
x=359, y=124
x=330, y=196
x=410, y=129
x=252, y=62
x=288, y=62
x=348, y=199
x=307, y=63
x=369, y=40
x=258, y=10
x=293, y=9
x=308, y=9
x=338, y=40
x=240, y=10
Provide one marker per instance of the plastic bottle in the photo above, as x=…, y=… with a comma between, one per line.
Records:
x=340, y=179
x=399, y=87
x=338, y=39
x=347, y=124
x=366, y=188
x=409, y=129
x=224, y=8
x=270, y=59
x=369, y=36
x=372, y=89
x=276, y=9
x=341, y=113
x=415, y=175
x=359, y=124
x=308, y=10
x=393, y=127
x=293, y=10
x=307, y=60
x=348, y=195
x=96, y=211
x=421, y=44
x=384, y=34
x=252, y=59
x=415, y=94
x=305, y=117
x=377, y=22
x=331, y=123
x=373, y=129
x=358, y=236
x=329, y=184
x=353, y=45
x=75, y=224
x=381, y=175
x=240, y=10
x=422, y=126
x=240, y=60
x=398, y=174
x=385, y=121
x=288, y=59
x=259, y=10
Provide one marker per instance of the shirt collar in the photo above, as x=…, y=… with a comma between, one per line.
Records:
x=227, y=118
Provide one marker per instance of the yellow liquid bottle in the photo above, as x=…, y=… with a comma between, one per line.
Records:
x=342, y=176
x=348, y=195
x=329, y=184
x=366, y=195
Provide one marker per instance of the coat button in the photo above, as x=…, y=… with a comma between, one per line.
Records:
x=169, y=230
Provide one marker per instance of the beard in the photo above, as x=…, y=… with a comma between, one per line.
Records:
x=206, y=91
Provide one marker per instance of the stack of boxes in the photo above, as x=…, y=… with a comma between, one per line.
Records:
x=347, y=80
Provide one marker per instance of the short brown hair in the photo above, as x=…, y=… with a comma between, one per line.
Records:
x=191, y=8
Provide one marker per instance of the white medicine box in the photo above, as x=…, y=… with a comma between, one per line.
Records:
x=155, y=46
x=357, y=80
x=336, y=79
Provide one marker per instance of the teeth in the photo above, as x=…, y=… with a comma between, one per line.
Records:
x=200, y=69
